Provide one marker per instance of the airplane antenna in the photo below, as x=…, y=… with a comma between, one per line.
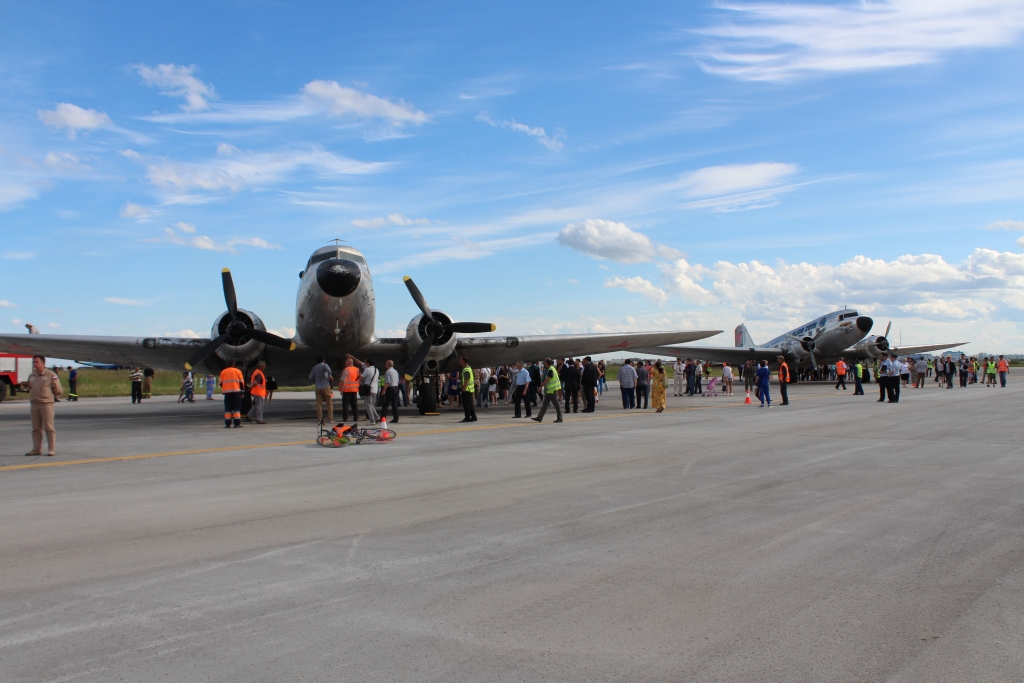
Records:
x=337, y=242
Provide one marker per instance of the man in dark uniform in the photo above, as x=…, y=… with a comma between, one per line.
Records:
x=570, y=378
x=588, y=381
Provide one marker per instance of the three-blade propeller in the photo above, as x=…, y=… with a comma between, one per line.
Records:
x=808, y=346
x=236, y=329
x=435, y=329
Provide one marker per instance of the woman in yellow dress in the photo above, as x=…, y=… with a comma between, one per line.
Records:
x=658, y=387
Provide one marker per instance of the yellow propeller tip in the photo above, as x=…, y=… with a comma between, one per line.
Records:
x=187, y=366
x=225, y=270
x=406, y=278
x=493, y=327
x=292, y=347
x=408, y=378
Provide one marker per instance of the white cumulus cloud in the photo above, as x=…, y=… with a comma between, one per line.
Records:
x=924, y=285
x=74, y=118
x=390, y=219
x=344, y=101
x=552, y=142
x=603, y=239
x=178, y=81
x=776, y=41
x=638, y=285
x=4, y=303
x=136, y=211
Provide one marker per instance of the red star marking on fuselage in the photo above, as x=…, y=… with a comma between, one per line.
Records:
x=620, y=345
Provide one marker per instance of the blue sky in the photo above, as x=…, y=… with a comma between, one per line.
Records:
x=594, y=167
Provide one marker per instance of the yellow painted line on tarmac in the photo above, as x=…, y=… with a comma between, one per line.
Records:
x=144, y=456
x=447, y=430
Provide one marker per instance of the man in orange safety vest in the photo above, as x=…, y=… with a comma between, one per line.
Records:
x=258, y=390
x=232, y=385
x=841, y=374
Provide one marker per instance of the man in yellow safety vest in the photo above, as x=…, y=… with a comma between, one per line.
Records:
x=552, y=385
x=467, y=383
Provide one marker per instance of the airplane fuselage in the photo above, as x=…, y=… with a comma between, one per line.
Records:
x=827, y=337
x=335, y=309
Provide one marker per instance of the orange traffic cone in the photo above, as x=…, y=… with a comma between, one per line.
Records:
x=747, y=401
x=384, y=421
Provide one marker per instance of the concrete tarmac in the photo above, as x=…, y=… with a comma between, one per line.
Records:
x=835, y=539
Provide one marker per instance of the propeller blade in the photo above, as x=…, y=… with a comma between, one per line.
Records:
x=417, y=296
x=814, y=362
x=470, y=327
x=205, y=352
x=229, y=293
x=887, y=327
x=270, y=339
x=417, y=358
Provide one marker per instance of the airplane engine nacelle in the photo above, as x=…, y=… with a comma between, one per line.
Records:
x=873, y=346
x=416, y=332
x=242, y=349
x=797, y=351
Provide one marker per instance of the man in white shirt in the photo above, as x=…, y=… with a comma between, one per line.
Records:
x=679, y=381
x=481, y=387
x=391, y=389
x=521, y=382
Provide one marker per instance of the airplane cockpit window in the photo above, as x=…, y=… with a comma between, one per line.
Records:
x=348, y=256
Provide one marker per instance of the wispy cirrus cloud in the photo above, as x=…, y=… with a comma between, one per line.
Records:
x=233, y=170
x=390, y=219
x=120, y=301
x=316, y=98
x=552, y=142
x=773, y=41
x=205, y=243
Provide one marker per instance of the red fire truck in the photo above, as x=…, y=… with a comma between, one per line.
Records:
x=14, y=372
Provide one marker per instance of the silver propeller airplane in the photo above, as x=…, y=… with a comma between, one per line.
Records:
x=839, y=334
x=335, y=312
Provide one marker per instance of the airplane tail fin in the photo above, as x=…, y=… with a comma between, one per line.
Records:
x=743, y=340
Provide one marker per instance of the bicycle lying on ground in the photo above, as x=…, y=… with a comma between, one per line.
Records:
x=343, y=435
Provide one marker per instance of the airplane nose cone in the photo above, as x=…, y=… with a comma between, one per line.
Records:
x=338, y=277
x=864, y=323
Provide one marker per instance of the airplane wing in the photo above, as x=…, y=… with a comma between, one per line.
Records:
x=159, y=353
x=497, y=350
x=731, y=354
x=910, y=350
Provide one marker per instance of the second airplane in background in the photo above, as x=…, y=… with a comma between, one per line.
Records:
x=839, y=334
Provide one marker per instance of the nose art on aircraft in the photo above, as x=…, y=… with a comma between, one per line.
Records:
x=864, y=323
x=338, y=277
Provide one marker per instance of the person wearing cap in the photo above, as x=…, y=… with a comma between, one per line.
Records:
x=44, y=389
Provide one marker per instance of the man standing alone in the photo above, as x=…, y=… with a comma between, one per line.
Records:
x=468, y=386
x=44, y=388
x=135, y=377
x=321, y=377
x=73, y=384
